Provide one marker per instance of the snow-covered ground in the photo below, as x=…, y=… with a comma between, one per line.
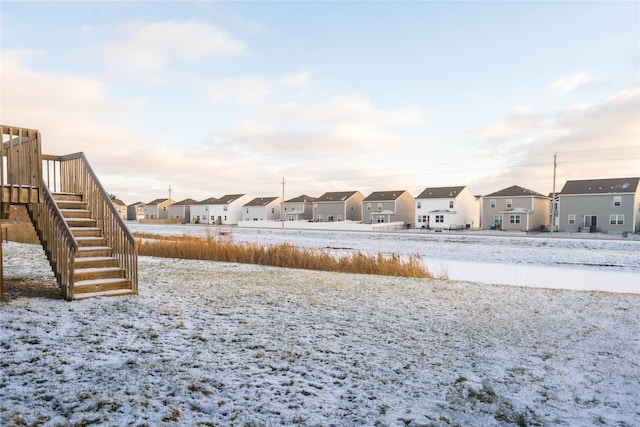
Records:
x=209, y=343
x=568, y=261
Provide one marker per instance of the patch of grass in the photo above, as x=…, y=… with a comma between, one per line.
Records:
x=278, y=255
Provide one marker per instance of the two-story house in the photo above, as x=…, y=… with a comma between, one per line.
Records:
x=607, y=205
x=228, y=209
x=182, y=210
x=262, y=209
x=135, y=211
x=388, y=206
x=299, y=208
x=200, y=211
x=516, y=208
x=158, y=209
x=447, y=208
x=121, y=207
x=338, y=206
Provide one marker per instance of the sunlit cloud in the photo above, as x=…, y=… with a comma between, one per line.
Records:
x=151, y=45
x=240, y=91
x=577, y=82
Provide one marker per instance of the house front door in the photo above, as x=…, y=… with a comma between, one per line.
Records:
x=591, y=222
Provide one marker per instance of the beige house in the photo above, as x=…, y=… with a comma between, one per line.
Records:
x=299, y=208
x=121, y=207
x=338, y=206
x=388, y=206
x=516, y=208
x=262, y=209
x=158, y=209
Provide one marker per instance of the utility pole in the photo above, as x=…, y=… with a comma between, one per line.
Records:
x=553, y=197
x=282, y=205
x=169, y=190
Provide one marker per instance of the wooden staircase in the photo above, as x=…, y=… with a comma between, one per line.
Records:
x=90, y=249
x=96, y=270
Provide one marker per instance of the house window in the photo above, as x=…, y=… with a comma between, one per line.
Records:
x=571, y=219
x=273, y=210
x=497, y=219
x=514, y=219
x=379, y=206
x=224, y=208
x=212, y=217
x=368, y=206
x=247, y=210
x=617, y=200
x=439, y=219
x=492, y=203
x=330, y=218
x=419, y=205
x=509, y=203
x=450, y=204
x=319, y=218
x=616, y=219
x=339, y=217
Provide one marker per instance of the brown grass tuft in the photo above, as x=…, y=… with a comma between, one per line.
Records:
x=280, y=255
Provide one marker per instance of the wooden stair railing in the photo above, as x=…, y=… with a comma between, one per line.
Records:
x=42, y=183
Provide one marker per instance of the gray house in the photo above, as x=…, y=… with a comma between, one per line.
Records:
x=182, y=210
x=338, y=206
x=388, y=206
x=299, y=208
x=135, y=211
x=607, y=205
x=515, y=208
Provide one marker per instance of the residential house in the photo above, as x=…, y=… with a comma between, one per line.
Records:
x=200, y=211
x=515, y=208
x=389, y=206
x=182, y=210
x=228, y=209
x=121, y=207
x=606, y=205
x=338, y=206
x=262, y=209
x=158, y=209
x=447, y=208
x=299, y=208
x=135, y=211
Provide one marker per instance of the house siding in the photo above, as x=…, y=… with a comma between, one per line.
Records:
x=533, y=221
x=339, y=210
x=601, y=206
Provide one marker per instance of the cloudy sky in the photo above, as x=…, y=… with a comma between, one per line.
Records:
x=213, y=98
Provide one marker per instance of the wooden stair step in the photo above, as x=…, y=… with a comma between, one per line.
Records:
x=75, y=213
x=101, y=285
x=91, y=241
x=91, y=273
x=86, y=231
x=71, y=204
x=111, y=293
x=81, y=222
x=93, y=251
x=67, y=196
x=95, y=262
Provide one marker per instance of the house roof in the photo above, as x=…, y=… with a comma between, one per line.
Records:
x=515, y=191
x=384, y=195
x=118, y=202
x=336, y=196
x=185, y=202
x=157, y=202
x=599, y=186
x=136, y=204
x=261, y=201
x=228, y=198
x=302, y=198
x=209, y=201
x=441, y=192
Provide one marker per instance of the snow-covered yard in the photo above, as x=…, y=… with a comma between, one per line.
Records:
x=209, y=343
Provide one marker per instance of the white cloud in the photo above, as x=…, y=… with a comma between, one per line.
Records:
x=151, y=45
x=300, y=79
x=569, y=84
x=241, y=91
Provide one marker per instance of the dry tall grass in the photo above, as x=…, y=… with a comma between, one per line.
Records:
x=280, y=255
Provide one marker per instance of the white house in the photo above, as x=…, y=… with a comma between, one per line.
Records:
x=200, y=211
x=262, y=209
x=447, y=208
x=228, y=209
